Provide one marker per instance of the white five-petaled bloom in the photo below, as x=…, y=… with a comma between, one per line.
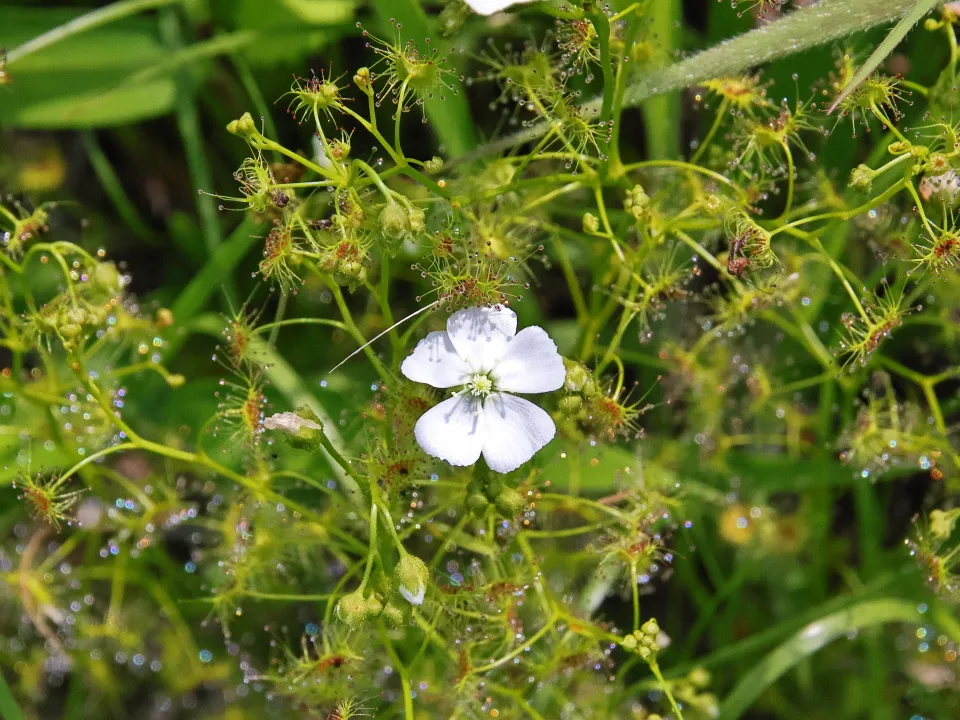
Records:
x=489, y=7
x=483, y=354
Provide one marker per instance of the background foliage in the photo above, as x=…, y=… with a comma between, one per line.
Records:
x=777, y=481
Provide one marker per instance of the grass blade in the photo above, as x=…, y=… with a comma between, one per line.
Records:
x=9, y=710
x=91, y=20
x=893, y=39
x=812, y=638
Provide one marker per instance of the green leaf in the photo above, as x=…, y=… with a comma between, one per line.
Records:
x=9, y=710
x=805, y=28
x=287, y=30
x=449, y=117
x=73, y=80
x=205, y=283
x=16, y=20
x=808, y=641
x=893, y=39
x=83, y=100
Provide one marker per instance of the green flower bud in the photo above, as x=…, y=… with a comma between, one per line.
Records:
x=362, y=80
x=637, y=202
x=861, y=178
x=577, y=375
x=70, y=330
x=942, y=523
x=571, y=405
x=650, y=628
x=374, y=607
x=590, y=389
x=510, y=502
x=433, y=165
x=591, y=223
x=244, y=126
x=352, y=608
x=392, y=615
x=629, y=642
x=412, y=576
x=644, y=652
x=351, y=273
x=108, y=278
x=393, y=219
x=699, y=677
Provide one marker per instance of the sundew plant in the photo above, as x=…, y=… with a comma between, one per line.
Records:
x=550, y=360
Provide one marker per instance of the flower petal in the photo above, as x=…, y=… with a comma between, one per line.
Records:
x=452, y=431
x=435, y=361
x=531, y=364
x=489, y=7
x=513, y=430
x=481, y=334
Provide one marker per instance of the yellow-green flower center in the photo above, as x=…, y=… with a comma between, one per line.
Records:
x=479, y=385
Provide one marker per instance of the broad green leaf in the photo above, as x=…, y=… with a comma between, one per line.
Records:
x=893, y=39
x=809, y=640
x=82, y=100
x=805, y=28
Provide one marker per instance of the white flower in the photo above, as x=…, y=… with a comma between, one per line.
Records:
x=489, y=7
x=483, y=354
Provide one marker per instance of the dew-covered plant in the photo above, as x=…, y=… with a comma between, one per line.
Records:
x=569, y=426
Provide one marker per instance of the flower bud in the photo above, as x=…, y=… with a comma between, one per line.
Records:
x=352, y=608
x=629, y=642
x=577, y=375
x=861, y=178
x=590, y=389
x=942, y=523
x=571, y=405
x=637, y=202
x=362, y=79
x=412, y=576
x=394, y=221
x=510, y=502
x=650, y=627
x=108, y=278
x=392, y=615
x=302, y=429
x=699, y=677
x=433, y=165
x=176, y=381
x=244, y=126
x=591, y=223
x=373, y=607
x=164, y=318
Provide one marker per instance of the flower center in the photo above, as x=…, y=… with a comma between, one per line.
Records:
x=479, y=385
